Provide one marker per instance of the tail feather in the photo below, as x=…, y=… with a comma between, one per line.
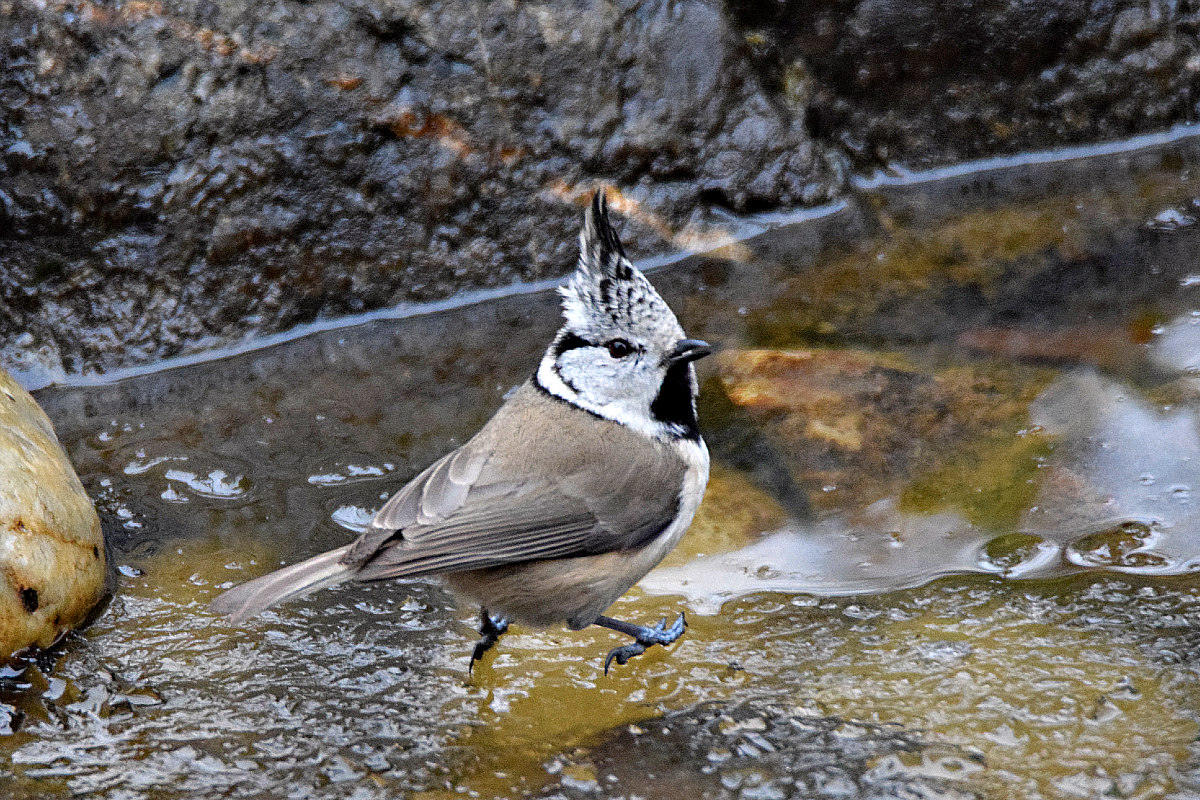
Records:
x=318, y=572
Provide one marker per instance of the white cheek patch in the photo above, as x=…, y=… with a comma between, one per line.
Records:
x=603, y=380
x=629, y=413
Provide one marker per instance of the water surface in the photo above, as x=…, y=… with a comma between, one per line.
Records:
x=978, y=543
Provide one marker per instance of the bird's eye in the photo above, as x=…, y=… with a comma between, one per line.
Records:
x=619, y=348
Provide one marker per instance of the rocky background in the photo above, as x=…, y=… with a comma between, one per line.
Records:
x=178, y=174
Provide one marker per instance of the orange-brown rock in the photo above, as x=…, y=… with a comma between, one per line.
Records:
x=852, y=424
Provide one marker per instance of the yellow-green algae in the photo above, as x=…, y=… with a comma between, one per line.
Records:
x=1034, y=679
x=967, y=250
x=1050, y=704
x=970, y=249
x=866, y=423
x=993, y=482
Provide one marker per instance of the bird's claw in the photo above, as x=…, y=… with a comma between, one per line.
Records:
x=490, y=630
x=647, y=637
x=622, y=654
x=672, y=633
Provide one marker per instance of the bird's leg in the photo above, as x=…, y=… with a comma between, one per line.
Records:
x=490, y=630
x=643, y=637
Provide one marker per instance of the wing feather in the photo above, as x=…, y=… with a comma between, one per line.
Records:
x=433, y=495
x=480, y=506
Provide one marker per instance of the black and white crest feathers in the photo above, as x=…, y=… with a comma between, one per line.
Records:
x=608, y=302
x=600, y=250
x=606, y=295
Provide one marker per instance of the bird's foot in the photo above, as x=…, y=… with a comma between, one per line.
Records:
x=643, y=637
x=490, y=630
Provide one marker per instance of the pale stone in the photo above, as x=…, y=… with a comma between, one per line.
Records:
x=52, y=567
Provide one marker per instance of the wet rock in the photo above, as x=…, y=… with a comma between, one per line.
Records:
x=759, y=750
x=931, y=82
x=51, y=550
x=852, y=425
x=177, y=175
x=182, y=173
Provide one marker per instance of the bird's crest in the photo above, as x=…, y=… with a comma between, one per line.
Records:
x=606, y=289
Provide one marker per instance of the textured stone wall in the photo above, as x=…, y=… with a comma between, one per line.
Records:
x=178, y=174
x=925, y=82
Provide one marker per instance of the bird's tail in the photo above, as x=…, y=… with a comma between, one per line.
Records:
x=318, y=572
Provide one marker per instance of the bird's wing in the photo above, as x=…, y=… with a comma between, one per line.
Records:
x=436, y=492
x=482, y=505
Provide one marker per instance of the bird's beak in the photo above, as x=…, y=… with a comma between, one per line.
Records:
x=687, y=350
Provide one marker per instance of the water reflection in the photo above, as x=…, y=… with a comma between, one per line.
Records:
x=1178, y=344
x=878, y=549
x=1114, y=493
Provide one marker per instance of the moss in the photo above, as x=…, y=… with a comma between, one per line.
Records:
x=971, y=250
x=851, y=292
x=992, y=482
x=866, y=422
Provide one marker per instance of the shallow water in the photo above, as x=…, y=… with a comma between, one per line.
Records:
x=995, y=600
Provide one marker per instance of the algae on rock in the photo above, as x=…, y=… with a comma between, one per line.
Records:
x=854, y=424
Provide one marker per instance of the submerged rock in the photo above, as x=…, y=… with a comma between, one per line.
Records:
x=52, y=565
x=1054, y=266
x=853, y=425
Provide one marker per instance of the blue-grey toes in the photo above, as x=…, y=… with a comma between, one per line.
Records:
x=491, y=628
x=646, y=637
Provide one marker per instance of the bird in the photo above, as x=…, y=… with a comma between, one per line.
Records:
x=580, y=483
